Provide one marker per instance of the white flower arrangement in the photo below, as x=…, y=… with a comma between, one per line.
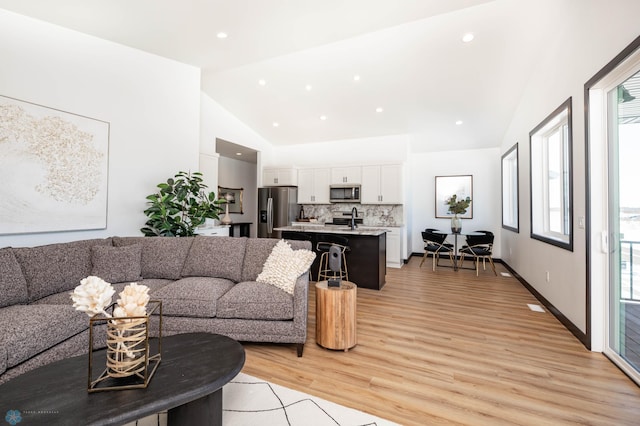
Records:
x=133, y=301
x=94, y=295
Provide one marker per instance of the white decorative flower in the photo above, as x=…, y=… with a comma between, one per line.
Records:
x=92, y=296
x=133, y=301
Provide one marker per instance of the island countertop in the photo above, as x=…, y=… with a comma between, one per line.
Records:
x=334, y=229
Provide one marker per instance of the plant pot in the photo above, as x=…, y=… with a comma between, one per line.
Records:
x=456, y=224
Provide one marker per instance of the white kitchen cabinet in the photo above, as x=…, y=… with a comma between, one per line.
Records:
x=279, y=177
x=340, y=175
x=394, y=252
x=313, y=186
x=382, y=184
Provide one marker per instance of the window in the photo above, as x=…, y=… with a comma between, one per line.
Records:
x=510, y=216
x=551, y=196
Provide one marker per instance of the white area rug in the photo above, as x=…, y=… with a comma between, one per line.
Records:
x=249, y=401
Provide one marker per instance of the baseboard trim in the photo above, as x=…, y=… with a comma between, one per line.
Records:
x=581, y=336
x=573, y=329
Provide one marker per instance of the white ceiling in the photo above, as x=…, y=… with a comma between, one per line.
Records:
x=408, y=54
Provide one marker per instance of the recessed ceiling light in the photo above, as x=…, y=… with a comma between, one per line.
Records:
x=356, y=77
x=222, y=34
x=238, y=153
x=276, y=124
x=308, y=87
x=459, y=123
x=468, y=37
x=379, y=109
x=323, y=117
x=261, y=82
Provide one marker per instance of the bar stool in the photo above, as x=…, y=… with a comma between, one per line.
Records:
x=324, y=272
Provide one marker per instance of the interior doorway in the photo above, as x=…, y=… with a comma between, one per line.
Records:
x=238, y=169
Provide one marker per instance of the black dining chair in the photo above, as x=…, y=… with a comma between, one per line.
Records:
x=434, y=245
x=479, y=247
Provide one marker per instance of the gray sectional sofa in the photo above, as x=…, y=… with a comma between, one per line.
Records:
x=206, y=284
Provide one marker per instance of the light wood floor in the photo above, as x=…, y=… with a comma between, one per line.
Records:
x=448, y=347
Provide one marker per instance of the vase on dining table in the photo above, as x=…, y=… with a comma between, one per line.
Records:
x=456, y=224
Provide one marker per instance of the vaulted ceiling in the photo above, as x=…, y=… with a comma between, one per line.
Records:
x=301, y=71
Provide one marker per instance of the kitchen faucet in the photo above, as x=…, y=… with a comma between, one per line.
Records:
x=354, y=214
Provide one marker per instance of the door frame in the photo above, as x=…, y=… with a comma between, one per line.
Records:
x=596, y=185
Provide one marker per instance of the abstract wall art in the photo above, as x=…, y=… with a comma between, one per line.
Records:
x=53, y=169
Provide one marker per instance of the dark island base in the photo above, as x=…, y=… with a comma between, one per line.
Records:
x=366, y=258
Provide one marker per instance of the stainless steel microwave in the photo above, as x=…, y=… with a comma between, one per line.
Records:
x=344, y=193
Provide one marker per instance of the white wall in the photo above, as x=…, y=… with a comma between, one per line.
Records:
x=483, y=165
x=234, y=173
x=151, y=103
x=383, y=149
x=218, y=123
x=596, y=31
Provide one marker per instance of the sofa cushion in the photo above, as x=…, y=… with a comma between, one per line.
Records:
x=253, y=300
x=27, y=330
x=54, y=268
x=192, y=297
x=257, y=252
x=64, y=298
x=116, y=264
x=284, y=265
x=13, y=286
x=162, y=257
x=218, y=257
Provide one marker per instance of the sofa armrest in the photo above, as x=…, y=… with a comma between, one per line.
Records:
x=301, y=305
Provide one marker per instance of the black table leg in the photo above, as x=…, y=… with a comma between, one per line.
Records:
x=455, y=251
x=206, y=411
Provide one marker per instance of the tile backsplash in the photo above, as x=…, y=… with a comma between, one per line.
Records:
x=371, y=214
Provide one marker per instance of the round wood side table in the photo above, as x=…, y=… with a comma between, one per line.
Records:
x=336, y=315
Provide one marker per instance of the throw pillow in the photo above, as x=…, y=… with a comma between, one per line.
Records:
x=117, y=264
x=284, y=265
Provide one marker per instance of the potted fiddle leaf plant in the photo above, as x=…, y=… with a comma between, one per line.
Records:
x=180, y=205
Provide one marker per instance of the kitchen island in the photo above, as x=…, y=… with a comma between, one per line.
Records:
x=367, y=255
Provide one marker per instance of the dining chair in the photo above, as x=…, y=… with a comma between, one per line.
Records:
x=479, y=247
x=434, y=244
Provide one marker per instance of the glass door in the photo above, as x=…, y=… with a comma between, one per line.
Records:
x=623, y=134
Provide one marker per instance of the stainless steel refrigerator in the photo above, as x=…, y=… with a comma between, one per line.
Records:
x=277, y=206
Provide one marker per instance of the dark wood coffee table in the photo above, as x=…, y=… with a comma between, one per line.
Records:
x=188, y=383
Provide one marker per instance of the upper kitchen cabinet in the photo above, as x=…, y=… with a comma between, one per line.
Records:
x=313, y=186
x=382, y=184
x=346, y=175
x=279, y=177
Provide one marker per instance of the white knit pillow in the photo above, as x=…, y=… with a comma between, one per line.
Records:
x=284, y=265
